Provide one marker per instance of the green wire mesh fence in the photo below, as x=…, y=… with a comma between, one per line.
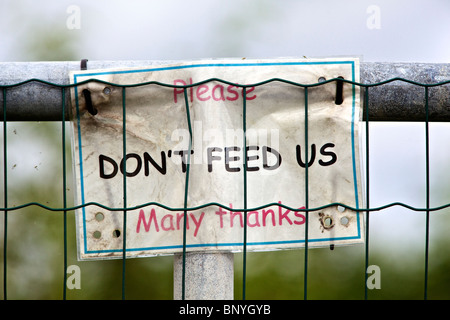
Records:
x=65, y=209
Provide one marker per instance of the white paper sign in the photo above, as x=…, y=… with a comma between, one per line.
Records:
x=160, y=132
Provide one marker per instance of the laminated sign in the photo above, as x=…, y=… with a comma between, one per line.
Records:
x=217, y=155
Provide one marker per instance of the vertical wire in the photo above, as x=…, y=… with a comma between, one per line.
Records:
x=305, y=283
x=63, y=94
x=124, y=144
x=427, y=160
x=5, y=197
x=244, y=127
x=366, y=104
x=186, y=188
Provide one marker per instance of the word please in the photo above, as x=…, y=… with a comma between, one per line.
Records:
x=209, y=91
x=226, y=219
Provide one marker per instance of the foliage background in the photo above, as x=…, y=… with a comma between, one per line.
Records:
x=115, y=30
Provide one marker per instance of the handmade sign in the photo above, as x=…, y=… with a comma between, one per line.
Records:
x=239, y=144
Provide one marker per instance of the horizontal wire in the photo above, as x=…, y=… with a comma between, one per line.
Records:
x=209, y=204
x=227, y=82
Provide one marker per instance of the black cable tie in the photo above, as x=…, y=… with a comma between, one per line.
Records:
x=87, y=97
x=339, y=91
x=86, y=92
x=83, y=64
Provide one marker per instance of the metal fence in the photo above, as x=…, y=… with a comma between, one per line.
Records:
x=33, y=92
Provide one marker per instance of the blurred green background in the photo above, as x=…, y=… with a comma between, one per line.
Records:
x=397, y=244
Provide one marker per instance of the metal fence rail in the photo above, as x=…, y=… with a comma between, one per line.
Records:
x=394, y=101
x=392, y=92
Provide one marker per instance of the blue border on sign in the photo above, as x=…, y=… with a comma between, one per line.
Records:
x=80, y=154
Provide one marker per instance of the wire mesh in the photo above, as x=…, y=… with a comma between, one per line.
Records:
x=7, y=209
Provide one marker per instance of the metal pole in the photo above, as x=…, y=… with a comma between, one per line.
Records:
x=210, y=276
x=395, y=101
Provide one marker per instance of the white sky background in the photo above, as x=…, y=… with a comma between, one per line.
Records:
x=408, y=31
x=413, y=31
